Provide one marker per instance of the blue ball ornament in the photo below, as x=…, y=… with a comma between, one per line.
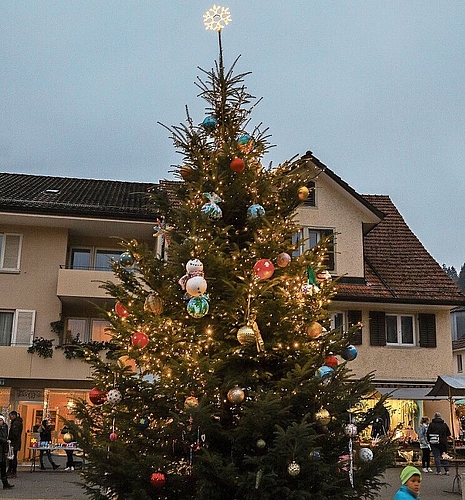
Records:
x=197, y=307
x=126, y=259
x=209, y=123
x=245, y=143
x=349, y=353
x=143, y=423
x=325, y=374
x=255, y=211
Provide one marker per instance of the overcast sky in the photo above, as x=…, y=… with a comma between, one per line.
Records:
x=374, y=88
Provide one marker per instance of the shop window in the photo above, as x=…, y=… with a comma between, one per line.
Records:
x=459, y=363
x=10, y=252
x=93, y=258
x=399, y=329
x=307, y=237
x=17, y=327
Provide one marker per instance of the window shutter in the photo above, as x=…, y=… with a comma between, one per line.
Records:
x=11, y=251
x=311, y=200
x=23, y=330
x=377, y=328
x=427, y=327
x=353, y=318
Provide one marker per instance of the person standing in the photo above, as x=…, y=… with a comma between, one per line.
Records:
x=410, y=479
x=46, y=436
x=4, y=445
x=438, y=432
x=424, y=444
x=14, y=435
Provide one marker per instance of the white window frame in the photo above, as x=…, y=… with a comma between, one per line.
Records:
x=400, y=342
x=339, y=320
x=7, y=244
x=22, y=328
x=302, y=239
x=88, y=329
x=92, y=255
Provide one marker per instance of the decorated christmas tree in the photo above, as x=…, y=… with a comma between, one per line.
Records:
x=223, y=378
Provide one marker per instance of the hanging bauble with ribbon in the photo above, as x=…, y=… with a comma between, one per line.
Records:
x=211, y=209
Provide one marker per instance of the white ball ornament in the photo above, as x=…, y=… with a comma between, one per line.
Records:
x=196, y=286
x=365, y=455
x=114, y=396
x=350, y=430
x=194, y=266
x=293, y=468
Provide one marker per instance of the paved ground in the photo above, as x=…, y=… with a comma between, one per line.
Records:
x=63, y=485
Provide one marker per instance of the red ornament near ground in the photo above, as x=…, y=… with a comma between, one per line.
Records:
x=158, y=479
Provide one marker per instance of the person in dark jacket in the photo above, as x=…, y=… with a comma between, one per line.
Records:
x=4, y=445
x=438, y=432
x=14, y=435
x=46, y=437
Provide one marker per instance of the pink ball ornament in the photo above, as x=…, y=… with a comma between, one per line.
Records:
x=283, y=260
x=113, y=436
x=264, y=268
x=139, y=340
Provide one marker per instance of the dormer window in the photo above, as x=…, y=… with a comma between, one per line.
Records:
x=311, y=200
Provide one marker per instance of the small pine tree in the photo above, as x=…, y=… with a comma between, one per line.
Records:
x=224, y=378
x=461, y=279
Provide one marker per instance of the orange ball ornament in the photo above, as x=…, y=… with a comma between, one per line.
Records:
x=237, y=165
x=314, y=330
x=264, y=269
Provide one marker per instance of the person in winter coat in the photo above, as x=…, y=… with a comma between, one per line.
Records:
x=438, y=432
x=424, y=444
x=14, y=435
x=46, y=436
x=4, y=445
x=410, y=479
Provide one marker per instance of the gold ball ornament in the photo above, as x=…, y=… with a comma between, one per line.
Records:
x=303, y=193
x=191, y=402
x=154, y=304
x=314, y=330
x=246, y=335
x=68, y=437
x=293, y=468
x=236, y=395
x=323, y=417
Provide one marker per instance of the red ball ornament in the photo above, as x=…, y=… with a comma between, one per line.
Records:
x=139, y=340
x=331, y=361
x=113, y=436
x=237, y=165
x=264, y=268
x=97, y=396
x=158, y=479
x=120, y=310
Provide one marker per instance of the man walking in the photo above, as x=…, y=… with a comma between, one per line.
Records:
x=14, y=435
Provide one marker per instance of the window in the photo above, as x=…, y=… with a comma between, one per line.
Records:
x=86, y=330
x=311, y=200
x=93, y=258
x=399, y=329
x=17, y=327
x=10, y=251
x=459, y=363
x=308, y=237
x=347, y=320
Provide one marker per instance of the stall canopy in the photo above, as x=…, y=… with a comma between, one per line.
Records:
x=449, y=387
x=417, y=393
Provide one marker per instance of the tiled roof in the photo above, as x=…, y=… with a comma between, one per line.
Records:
x=40, y=194
x=398, y=268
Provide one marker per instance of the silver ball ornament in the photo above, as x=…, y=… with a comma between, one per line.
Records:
x=293, y=468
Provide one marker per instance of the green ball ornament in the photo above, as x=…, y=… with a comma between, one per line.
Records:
x=197, y=307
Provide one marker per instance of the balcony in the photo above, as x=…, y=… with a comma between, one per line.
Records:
x=82, y=283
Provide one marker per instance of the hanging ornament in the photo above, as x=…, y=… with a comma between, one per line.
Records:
x=158, y=479
x=246, y=335
x=191, y=401
x=349, y=353
x=209, y=123
x=332, y=361
x=194, y=267
x=365, y=454
x=293, y=468
x=245, y=143
x=323, y=417
x=350, y=430
x=236, y=395
x=198, y=307
x=68, y=437
x=143, y=423
x=325, y=374
x=211, y=209
x=264, y=268
x=154, y=304
x=283, y=260
x=255, y=211
x=113, y=436
x=114, y=396
x=120, y=310
x=126, y=259
x=260, y=444
x=309, y=289
x=97, y=396
x=314, y=330
x=314, y=454
x=237, y=165
x=186, y=172
x=196, y=286
x=303, y=193
x=324, y=276
x=140, y=340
